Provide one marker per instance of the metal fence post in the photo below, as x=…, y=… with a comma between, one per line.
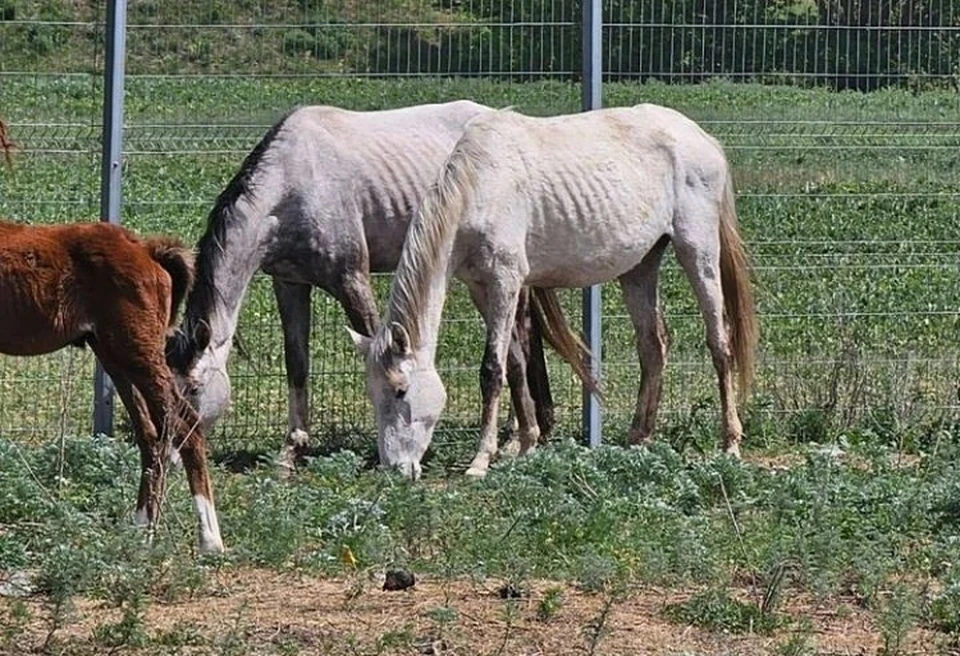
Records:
x=592, y=70
x=113, y=73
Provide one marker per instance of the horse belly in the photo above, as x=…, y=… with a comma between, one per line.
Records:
x=564, y=254
x=32, y=330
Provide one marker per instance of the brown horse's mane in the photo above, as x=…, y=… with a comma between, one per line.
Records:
x=6, y=144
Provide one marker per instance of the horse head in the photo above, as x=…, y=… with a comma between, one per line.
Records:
x=408, y=397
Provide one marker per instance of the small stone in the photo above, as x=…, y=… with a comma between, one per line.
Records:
x=398, y=579
x=17, y=584
x=509, y=592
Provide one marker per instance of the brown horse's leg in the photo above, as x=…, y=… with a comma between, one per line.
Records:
x=145, y=434
x=193, y=453
x=182, y=433
x=177, y=426
x=152, y=477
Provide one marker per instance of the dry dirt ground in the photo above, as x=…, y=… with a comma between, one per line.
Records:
x=265, y=612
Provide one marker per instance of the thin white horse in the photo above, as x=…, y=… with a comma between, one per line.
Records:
x=325, y=198
x=565, y=201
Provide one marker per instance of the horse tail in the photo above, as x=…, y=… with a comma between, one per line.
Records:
x=177, y=260
x=549, y=315
x=737, y=292
x=6, y=144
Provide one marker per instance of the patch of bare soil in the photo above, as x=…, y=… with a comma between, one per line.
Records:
x=264, y=612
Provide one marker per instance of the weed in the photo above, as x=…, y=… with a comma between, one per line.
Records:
x=510, y=613
x=17, y=616
x=798, y=643
x=596, y=629
x=183, y=633
x=404, y=638
x=550, y=604
x=896, y=618
x=716, y=610
x=128, y=632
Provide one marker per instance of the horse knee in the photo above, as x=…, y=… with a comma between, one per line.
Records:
x=491, y=377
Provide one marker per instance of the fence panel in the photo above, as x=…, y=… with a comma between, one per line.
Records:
x=50, y=93
x=841, y=120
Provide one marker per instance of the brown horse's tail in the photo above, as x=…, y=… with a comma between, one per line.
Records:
x=737, y=291
x=6, y=144
x=546, y=306
x=177, y=260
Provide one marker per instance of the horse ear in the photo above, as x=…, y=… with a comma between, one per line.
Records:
x=399, y=339
x=362, y=342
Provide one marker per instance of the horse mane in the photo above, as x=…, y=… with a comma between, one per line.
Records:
x=181, y=348
x=6, y=144
x=429, y=238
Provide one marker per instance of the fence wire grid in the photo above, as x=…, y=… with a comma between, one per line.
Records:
x=841, y=119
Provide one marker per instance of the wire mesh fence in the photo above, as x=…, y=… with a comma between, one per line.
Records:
x=841, y=120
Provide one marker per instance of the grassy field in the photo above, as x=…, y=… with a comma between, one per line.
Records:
x=840, y=526
x=846, y=200
x=828, y=550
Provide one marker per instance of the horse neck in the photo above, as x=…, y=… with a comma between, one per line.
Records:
x=433, y=312
x=423, y=275
x=226, y=264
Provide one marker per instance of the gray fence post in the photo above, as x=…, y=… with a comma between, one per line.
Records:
x=592, y=70
x=113, y=73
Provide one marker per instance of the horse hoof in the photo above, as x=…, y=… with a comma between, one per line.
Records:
x=285, y=465
x=733, y=449
x=476, y=472
x=511, y=449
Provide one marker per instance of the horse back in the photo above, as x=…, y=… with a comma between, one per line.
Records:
x=66, y=281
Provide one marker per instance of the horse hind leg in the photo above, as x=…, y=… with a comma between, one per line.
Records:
x=642, y=300
x=537, y=378
x=151, y=463
x=523, y=408
x=698, y=251
x=127, y=356
x=293, y=301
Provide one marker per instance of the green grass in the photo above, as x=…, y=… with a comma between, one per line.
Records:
x=848, y=523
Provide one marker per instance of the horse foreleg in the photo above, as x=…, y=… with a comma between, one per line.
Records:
x=193, y=451
x=179, y=430
x=497, y=303
x=293, y=300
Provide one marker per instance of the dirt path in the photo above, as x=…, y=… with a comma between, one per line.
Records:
x=264, y=612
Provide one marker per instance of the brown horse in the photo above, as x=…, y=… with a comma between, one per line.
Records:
x=99, y=284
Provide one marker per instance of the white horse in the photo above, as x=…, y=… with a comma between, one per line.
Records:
x=325, y=198
x=565, y=201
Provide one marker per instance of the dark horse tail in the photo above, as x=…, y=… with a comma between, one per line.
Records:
x=551, y=321
x=177, y=260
